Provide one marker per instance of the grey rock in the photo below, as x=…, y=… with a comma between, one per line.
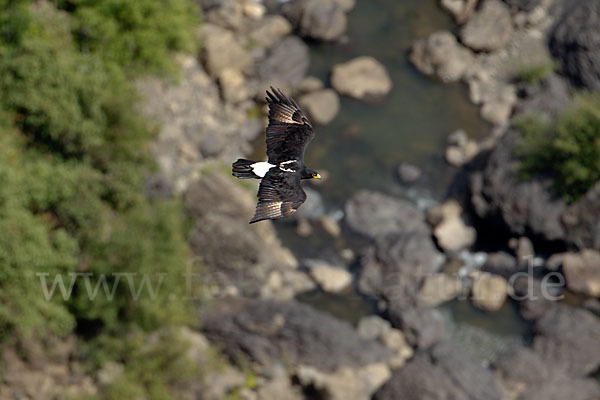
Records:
x=321, y=106
x=528, y=377
x=490, y=28
x=268, y=31
x=569, y=336
x=523, y=5
x=582, y=272
x=548, y=100
x=317, y=19
x=220, y=50
x=575, y=40
x=582, y=220
x=443, y=372
x=264, y=331
x=441, y=55
x=287, y=62
x=500, y=263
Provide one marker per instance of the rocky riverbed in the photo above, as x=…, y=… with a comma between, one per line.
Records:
x=407, y=257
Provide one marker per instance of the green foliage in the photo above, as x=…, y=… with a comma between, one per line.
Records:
x=73, y=161
x=569, y=150
x=136, y=34
x=535, y=73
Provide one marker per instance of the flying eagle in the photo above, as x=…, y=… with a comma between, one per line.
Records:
x=288, y=133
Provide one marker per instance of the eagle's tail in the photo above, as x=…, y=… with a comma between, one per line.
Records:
x=243, y=169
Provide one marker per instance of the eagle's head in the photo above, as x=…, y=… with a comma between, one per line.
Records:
x=310, y=174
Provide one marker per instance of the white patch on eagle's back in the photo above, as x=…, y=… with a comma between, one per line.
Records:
x=261, y=168
x=285, y=163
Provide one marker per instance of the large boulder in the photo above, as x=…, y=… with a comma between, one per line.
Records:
x=321, y=106
x=317, y=19
x=582, y=272
x=234, y=254
x=526, y=376
x=287, y=63
x=362, y=78
x=505, y=203
x=489, y=291
x=441, y=373
x=582, y=220
x=490, y=28
x=575, y=42
x=441, y=55
x=265, y=331
x=569, y=337
x=221, y=50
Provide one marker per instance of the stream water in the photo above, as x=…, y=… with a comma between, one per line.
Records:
x=363, y=146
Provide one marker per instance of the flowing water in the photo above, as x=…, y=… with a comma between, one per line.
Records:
x=363, y=146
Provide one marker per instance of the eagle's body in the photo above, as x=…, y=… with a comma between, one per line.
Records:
x=288, y=133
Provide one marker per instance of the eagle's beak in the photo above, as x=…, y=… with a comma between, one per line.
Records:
x=317, y=176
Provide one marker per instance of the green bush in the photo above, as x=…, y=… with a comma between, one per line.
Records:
x=569, y=150
x=73, y=162
x=535, y=73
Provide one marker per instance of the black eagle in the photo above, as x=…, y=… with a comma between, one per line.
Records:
x=288, y=133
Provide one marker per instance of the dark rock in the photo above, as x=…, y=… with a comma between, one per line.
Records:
x=233, y=253
x=575, y=41
x=549, y=99
x=287, y=62
x=582, y=220
x=506, y=203
x=409, y=173
x=442, y=373
x=532, y=302
x=375, y=214
x=421, y=326
x=523, y=5
x=317, y=19
x=569, y=337
x=529, y=377
x=265, y=331
x=500, y=263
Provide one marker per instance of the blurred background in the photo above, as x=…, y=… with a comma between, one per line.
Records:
x=452, y=250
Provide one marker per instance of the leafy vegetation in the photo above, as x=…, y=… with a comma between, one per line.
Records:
x=569, y=150
x=535, y=73
x=73, y=159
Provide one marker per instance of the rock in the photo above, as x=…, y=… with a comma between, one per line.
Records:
x=287, y=63
x=303, y=228
x=374, y=214
x=395, y=340
x=523, y=5
x=500, y=263
x=254, y=9
x=269, y=31
x=421, y=326
x=489, y=291
x=458, y=138
x=460, y=9
x=442, y=56
x=279, y=389
x=533, y=302
x=496, y=97
x=409, y=173
x=322, y=20
x=373, y=327
x=345, y=383
x=574, y=43
x=527, y=377
x=442, y=372
x=549, y=100
x=330, y=226
x=262, y=331
x=451, y=233
x=458, y=156
x=523, y=249
x=233, y=253
x=506, y=203
x=221, y=51
x=582, y=220
x=310, y=84
x=439, y=288
x=582, y=272
x=490, y=28
x=287, y=283
x=569, y=337
x=313, y=208
x=330, y=278
x=361, y=78
x=233, y=88
x=321, y=106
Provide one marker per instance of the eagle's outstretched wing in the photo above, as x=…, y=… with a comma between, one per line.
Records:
x=289, y=131
x=279, y=195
